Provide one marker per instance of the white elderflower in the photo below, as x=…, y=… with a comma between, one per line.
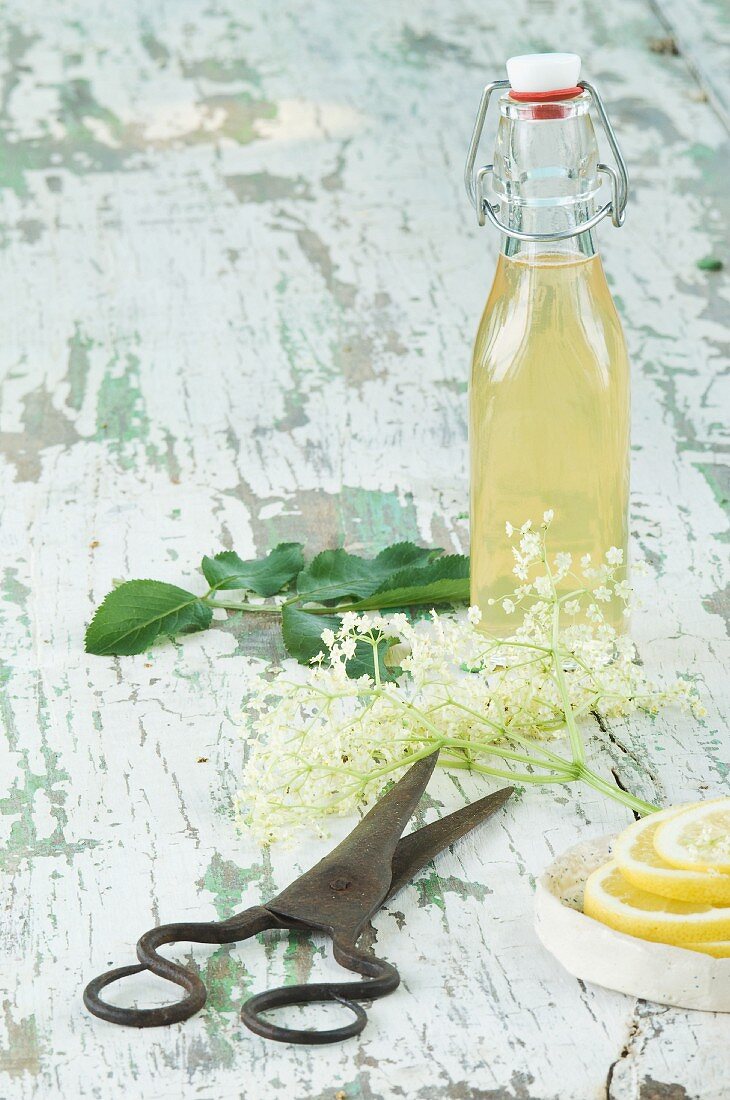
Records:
x=543, y=586
x=623, y=590
x=319, y=742
x=615, y=556
x=563, y=562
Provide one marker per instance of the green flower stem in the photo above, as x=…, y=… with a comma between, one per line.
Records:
x=511, y=777
x=376, y=664
x=571, y=774
x=614, y=792
x=565, y=771
x=511, y=735
x=270, y=609
x=506, y=754
x=576, y=741
x=472, y=746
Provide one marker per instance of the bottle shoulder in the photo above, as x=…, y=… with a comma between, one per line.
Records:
x=539, y=311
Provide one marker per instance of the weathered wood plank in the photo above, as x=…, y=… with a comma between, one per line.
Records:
x=240, y=282
x=701, y=33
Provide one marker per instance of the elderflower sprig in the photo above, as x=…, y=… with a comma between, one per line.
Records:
x=322, y=743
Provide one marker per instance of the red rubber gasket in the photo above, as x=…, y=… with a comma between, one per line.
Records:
x=545, y=97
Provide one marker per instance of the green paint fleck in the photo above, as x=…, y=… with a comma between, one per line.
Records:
x=78, y=367
x=226, y=882
x=220, y=72
x=719, y=604
x=258, y=187
x=152, y=45
x=717, y=476
x=421, y=50
x=240, y=114
x=22, y=1053
x=44, y=426
x=122, y=420
x=299, y=956
x=432, y=889
x=15, y=592
x=363, y=520
x=85, y=136
x=121, y=417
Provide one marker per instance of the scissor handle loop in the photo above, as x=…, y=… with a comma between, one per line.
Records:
x=245, y=924
x=287, y=995
x=475, y=182
x=382, y=978
x=146, y=1017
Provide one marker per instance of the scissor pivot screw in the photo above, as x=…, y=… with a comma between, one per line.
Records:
x=340, y=884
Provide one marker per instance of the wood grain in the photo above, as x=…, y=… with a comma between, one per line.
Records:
x=239, y=284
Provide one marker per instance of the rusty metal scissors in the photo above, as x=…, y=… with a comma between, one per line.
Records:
x=338, y=896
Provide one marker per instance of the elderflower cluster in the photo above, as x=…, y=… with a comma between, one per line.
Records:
x=322, y=742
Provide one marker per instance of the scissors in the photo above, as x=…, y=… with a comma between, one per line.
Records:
x=338, y=896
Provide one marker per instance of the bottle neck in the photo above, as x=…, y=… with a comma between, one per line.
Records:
x=546, y=174
x=582, y=244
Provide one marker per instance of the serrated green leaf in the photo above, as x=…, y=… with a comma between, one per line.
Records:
x=335, y=573
x=302, y=632
x=430, y=595
x=133, y=615
x=447, y=567
x=445, y=580
x=265, y=576
x=403, y=554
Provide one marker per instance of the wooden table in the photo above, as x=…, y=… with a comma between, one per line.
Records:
x=240, y=280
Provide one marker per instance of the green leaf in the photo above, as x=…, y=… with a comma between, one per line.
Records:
x=265, y=577
x=445, y=580
x=133, y=615
x=302, y=634
x=335, y=573
x=403, y=554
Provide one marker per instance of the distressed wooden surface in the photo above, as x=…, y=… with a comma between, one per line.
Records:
x=239, y=286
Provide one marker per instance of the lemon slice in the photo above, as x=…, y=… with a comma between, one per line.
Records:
x=698, y=839
x=640, y=863
x=614, y=901
x=720, y=950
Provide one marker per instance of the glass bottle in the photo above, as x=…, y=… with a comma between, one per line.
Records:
x=549, y=390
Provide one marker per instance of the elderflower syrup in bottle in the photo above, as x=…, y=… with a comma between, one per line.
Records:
x=549, y=392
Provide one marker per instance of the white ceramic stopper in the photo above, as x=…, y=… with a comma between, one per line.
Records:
x=543, y=72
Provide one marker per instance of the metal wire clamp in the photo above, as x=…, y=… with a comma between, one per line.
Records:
x=476, y=183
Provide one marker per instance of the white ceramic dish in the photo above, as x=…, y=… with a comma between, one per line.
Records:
x=591, y=951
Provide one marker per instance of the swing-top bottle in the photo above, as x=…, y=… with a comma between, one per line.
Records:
x=549, y=391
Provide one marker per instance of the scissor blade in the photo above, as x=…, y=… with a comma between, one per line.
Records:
x=417, y=849
x=346, y=887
